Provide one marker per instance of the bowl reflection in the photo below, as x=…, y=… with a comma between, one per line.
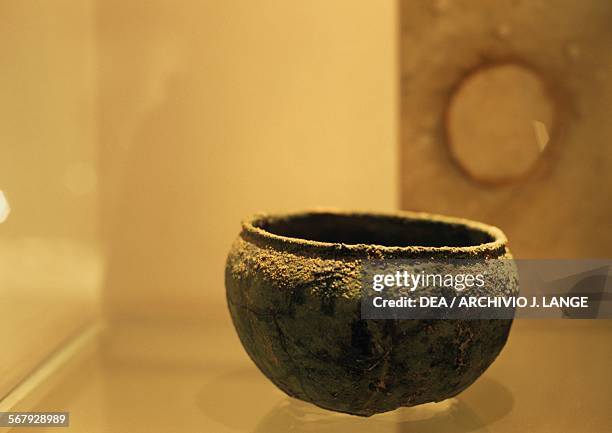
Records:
x=242, y=400
x=485, y=402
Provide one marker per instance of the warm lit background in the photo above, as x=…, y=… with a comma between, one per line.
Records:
x=212, y=111
x=137, y=135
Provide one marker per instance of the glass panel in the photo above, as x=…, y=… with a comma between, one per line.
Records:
x=49, y=263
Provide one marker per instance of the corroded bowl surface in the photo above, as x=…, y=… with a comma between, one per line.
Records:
x=294, y=293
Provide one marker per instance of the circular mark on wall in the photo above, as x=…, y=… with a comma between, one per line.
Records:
x=498, y=122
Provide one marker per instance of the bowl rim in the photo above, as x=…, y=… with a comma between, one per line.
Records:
x=498, y=243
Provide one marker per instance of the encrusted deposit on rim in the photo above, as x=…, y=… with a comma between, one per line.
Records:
x=254, y=228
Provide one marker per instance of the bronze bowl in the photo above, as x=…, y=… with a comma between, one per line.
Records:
x=294, y=293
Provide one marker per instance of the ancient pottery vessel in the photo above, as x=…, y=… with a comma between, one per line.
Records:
x=293, y=290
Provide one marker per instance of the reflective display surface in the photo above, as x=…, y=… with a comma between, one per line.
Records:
x=143, y=377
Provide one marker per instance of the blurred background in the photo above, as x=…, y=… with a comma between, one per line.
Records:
x=212, y=111
x=136, y=135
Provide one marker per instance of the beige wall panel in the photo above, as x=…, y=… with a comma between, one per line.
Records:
x=213, y=110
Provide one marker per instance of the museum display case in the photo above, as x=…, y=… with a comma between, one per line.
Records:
x=138, y=136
